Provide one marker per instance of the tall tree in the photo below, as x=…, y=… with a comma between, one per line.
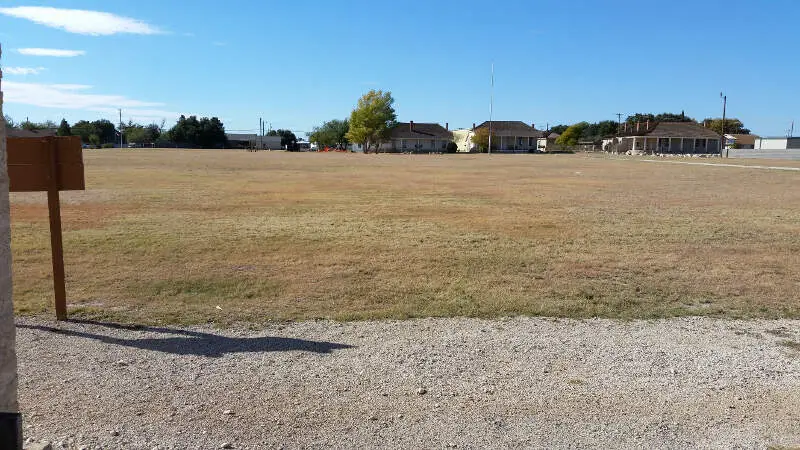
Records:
x=205, y=132
x=106, y=131
x=64, y=129
x=481, y=139
x=331, y=134
x=572, y=135
x=288, y=139
x=732, y=126
x=85, y=130
x=372, y=120
x=559, y=129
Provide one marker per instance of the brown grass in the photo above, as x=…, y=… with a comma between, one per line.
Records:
x=167, y=236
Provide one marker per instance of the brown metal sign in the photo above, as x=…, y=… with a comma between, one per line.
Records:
x=49, y=164
x=29, y=162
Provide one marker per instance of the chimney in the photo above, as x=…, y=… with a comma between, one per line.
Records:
x=473, y=126
x=533, y=125
x=647, y=125
x=411, y=126
x=447, y=126
x=637, y=126
x=626, y=127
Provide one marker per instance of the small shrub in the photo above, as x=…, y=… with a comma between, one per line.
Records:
x=451, y=147
x=107, y=145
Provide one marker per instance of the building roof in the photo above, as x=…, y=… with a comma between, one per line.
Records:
x=242, y=136
x=22, y=133
x=414, y=130
x=512, y=128
x=673, y=129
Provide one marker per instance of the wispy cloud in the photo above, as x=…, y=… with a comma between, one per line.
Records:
x=67, y=96
x=74, y=96
x=51, y=52
x=219, y=44
x=23, y=70
x=95, y=23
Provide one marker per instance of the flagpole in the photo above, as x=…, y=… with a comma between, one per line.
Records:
x=491, y=107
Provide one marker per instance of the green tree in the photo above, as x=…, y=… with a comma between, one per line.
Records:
x=331, y=134
x=85, y=130
x=105, y=130
x=288, y=139
x=9, y=121
x=372, y=120
x=559, y=129
x=204, y=133
x=732, y=126
x=663, y=117
x=481, y=138
x=64, y=129
x=94, y=140
x=572, y=135
x=34, y=126
x=599, y=130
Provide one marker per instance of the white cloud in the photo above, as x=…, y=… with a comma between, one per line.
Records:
x=95, y=23
x=70, y=87
x=219, y=44
x=23, y=70
x=73, y=96
x=50, y=52
x=66, y=97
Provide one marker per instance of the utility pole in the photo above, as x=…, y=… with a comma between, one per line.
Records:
x=619, y=123
x=10, y=418
x=724, y=107
x=120, y=128
x=491, y=108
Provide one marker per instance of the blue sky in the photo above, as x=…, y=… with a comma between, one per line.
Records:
x=299, y=63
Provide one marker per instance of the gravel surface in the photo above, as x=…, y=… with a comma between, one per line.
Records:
x=430, y=383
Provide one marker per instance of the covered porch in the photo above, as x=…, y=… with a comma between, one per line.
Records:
x=674, y=145
x=514, y=143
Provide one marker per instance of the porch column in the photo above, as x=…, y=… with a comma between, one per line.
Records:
x=694, y=144
x=681, y=145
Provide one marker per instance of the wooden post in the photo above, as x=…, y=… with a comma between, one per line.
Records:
x=56, y=243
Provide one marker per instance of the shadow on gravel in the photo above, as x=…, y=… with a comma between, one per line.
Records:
x=187, y=342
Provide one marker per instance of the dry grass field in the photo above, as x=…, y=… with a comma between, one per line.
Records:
x=177, y=236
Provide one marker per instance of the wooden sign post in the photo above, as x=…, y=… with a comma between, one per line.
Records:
x=49, y=164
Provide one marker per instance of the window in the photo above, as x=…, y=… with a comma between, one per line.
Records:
x=433, y=143
x=402, y=143
x=444, y=144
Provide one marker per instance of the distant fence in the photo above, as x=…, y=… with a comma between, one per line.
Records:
x=792, y=153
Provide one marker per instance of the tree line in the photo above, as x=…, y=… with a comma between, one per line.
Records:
x=188, y=131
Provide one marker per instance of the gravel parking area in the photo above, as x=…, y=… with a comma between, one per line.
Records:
x=429, y=383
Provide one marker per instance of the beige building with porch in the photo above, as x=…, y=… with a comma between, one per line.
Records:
x=665, y=138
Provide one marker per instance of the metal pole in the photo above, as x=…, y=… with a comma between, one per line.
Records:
x=724, y=107
x=10, y=418
x=491, y=108
x=120, y=128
